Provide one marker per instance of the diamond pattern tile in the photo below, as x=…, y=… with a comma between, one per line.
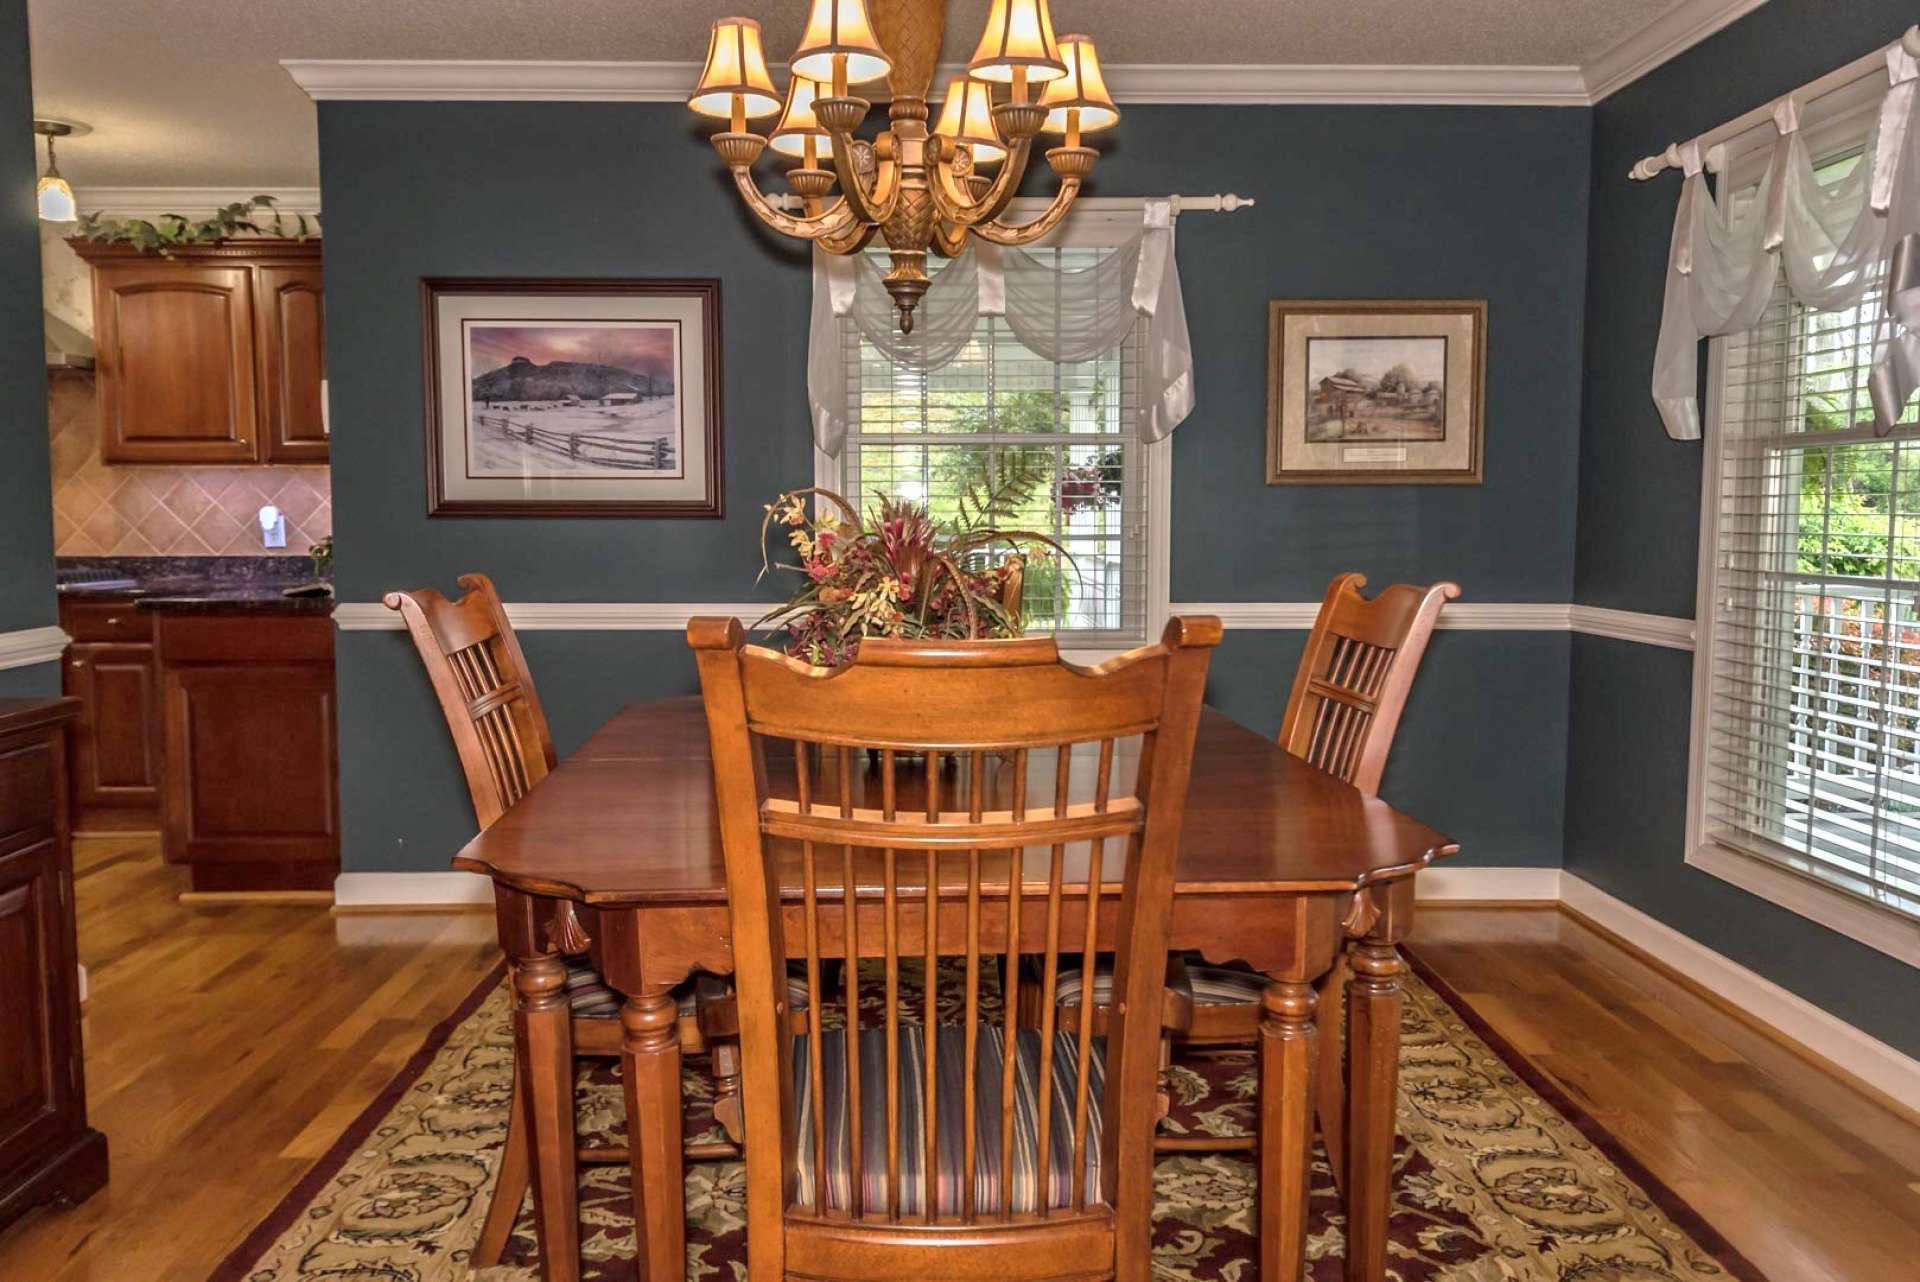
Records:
x=168, y=511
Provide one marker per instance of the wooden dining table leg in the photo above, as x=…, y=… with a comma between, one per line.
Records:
x=650, y=1068
x=543, y=1043
x=1373, y=1080
x=1288, y=1042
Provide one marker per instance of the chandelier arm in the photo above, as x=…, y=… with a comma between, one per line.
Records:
x=851, y=241
x=949, y=238
x=956, y=207
x=1000, y=233
x=837, y=219
x=871, y=204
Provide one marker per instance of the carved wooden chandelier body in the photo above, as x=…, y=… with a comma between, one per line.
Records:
x=920, y=189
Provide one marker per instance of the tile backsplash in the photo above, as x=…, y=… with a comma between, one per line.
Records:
x=129, y=510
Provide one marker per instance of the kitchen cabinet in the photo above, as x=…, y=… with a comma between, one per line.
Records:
x=47, y=1150
x=293, y=365
x=249, y=799
x=215, y=354
x=115, y=743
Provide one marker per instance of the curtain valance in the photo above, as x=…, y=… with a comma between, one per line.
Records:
x=1835, y=242
x=1062, y=315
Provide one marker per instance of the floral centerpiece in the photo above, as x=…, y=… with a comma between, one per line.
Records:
x=897, y=573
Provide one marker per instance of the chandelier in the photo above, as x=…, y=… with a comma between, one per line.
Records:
x=920, y=190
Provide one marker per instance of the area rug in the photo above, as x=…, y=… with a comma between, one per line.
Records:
x=1499, y=1176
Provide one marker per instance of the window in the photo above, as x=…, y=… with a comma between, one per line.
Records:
x=1807, y=698
x=1002, y=436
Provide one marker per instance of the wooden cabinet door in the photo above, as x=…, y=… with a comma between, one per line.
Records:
x=293, y=364
x=116, y=745
x=174, y=351
x=39, y=1022
x=250, y=772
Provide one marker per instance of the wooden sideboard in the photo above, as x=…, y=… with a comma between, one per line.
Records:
x=47, y=1150
x=214, y=354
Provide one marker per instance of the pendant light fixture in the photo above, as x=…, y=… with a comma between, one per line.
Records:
x=53, y=194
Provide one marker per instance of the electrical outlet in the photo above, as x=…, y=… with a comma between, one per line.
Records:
x=273, y=527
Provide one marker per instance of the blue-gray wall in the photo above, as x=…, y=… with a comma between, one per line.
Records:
x=1353, y=202
x=1639, y=521
x=26, y=492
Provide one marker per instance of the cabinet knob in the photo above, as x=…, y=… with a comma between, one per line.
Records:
x=112, y=619
x=79, y=663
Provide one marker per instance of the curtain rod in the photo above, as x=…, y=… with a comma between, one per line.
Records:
x=1839, y=78
x=1224, y=203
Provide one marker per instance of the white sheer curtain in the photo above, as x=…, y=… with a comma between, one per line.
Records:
x=1065, y=316
x=1835, y=242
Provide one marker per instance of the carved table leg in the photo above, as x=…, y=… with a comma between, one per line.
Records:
x=1373, y=1069
x=1287, y=1049
x=650, y=1065
x=544, y=1040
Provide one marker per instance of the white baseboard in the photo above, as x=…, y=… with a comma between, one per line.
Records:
x=353, y=890
x=1831, y=1038
x=1516, y=885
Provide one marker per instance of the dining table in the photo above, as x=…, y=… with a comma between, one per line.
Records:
x=1281, y=867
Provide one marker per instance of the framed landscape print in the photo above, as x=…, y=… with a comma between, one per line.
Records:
x=572, y=397
x=1375, y=392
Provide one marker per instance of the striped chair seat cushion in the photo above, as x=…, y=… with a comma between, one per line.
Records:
x=589, y=997
x=989, y=1170
x=1211, y=985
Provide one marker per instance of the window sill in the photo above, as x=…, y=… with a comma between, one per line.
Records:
x=1887, y=932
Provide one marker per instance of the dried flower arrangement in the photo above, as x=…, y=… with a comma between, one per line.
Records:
x=898, y=573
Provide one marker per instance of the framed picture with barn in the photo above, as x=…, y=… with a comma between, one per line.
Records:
x=1375, y=392
x=572, y=397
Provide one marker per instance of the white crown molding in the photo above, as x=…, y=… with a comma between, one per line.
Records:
x=1411, y=85
x=28, y=646
x=327, y=80
x=151, y=202
x=1666, y=37
x=1824, y=1036
x=1626, y=625
x=1674, y=32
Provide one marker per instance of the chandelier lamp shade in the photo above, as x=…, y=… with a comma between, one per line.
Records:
x=921, y=191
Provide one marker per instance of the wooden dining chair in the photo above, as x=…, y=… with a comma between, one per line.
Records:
x=1348, y=695
x=493, y=711
x=875, y=812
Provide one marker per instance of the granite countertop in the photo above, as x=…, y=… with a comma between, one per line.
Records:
x=198, y=584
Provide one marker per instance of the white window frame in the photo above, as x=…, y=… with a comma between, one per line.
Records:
x=1882, y=929
x=1093, y=224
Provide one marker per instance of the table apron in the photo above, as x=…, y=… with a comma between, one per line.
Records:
x=1291, y=934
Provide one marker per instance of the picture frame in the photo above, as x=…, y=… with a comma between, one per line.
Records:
x=572, y=397
x=1376, y=391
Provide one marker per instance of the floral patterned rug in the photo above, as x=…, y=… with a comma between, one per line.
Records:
x=1499, y=1177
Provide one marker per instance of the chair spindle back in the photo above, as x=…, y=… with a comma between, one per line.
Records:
x=485, y=690
x=1353, y=679
x=931, y=801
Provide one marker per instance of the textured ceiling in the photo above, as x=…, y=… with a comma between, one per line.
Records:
x=191, y=94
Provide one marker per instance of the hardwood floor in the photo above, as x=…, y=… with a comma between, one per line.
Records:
x=1809, y=1179
x=227, y=1047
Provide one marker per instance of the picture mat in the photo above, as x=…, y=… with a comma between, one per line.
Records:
x=451, y=313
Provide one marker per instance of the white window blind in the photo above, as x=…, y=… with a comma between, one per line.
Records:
x=1813, y=706
x=1004, y=437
